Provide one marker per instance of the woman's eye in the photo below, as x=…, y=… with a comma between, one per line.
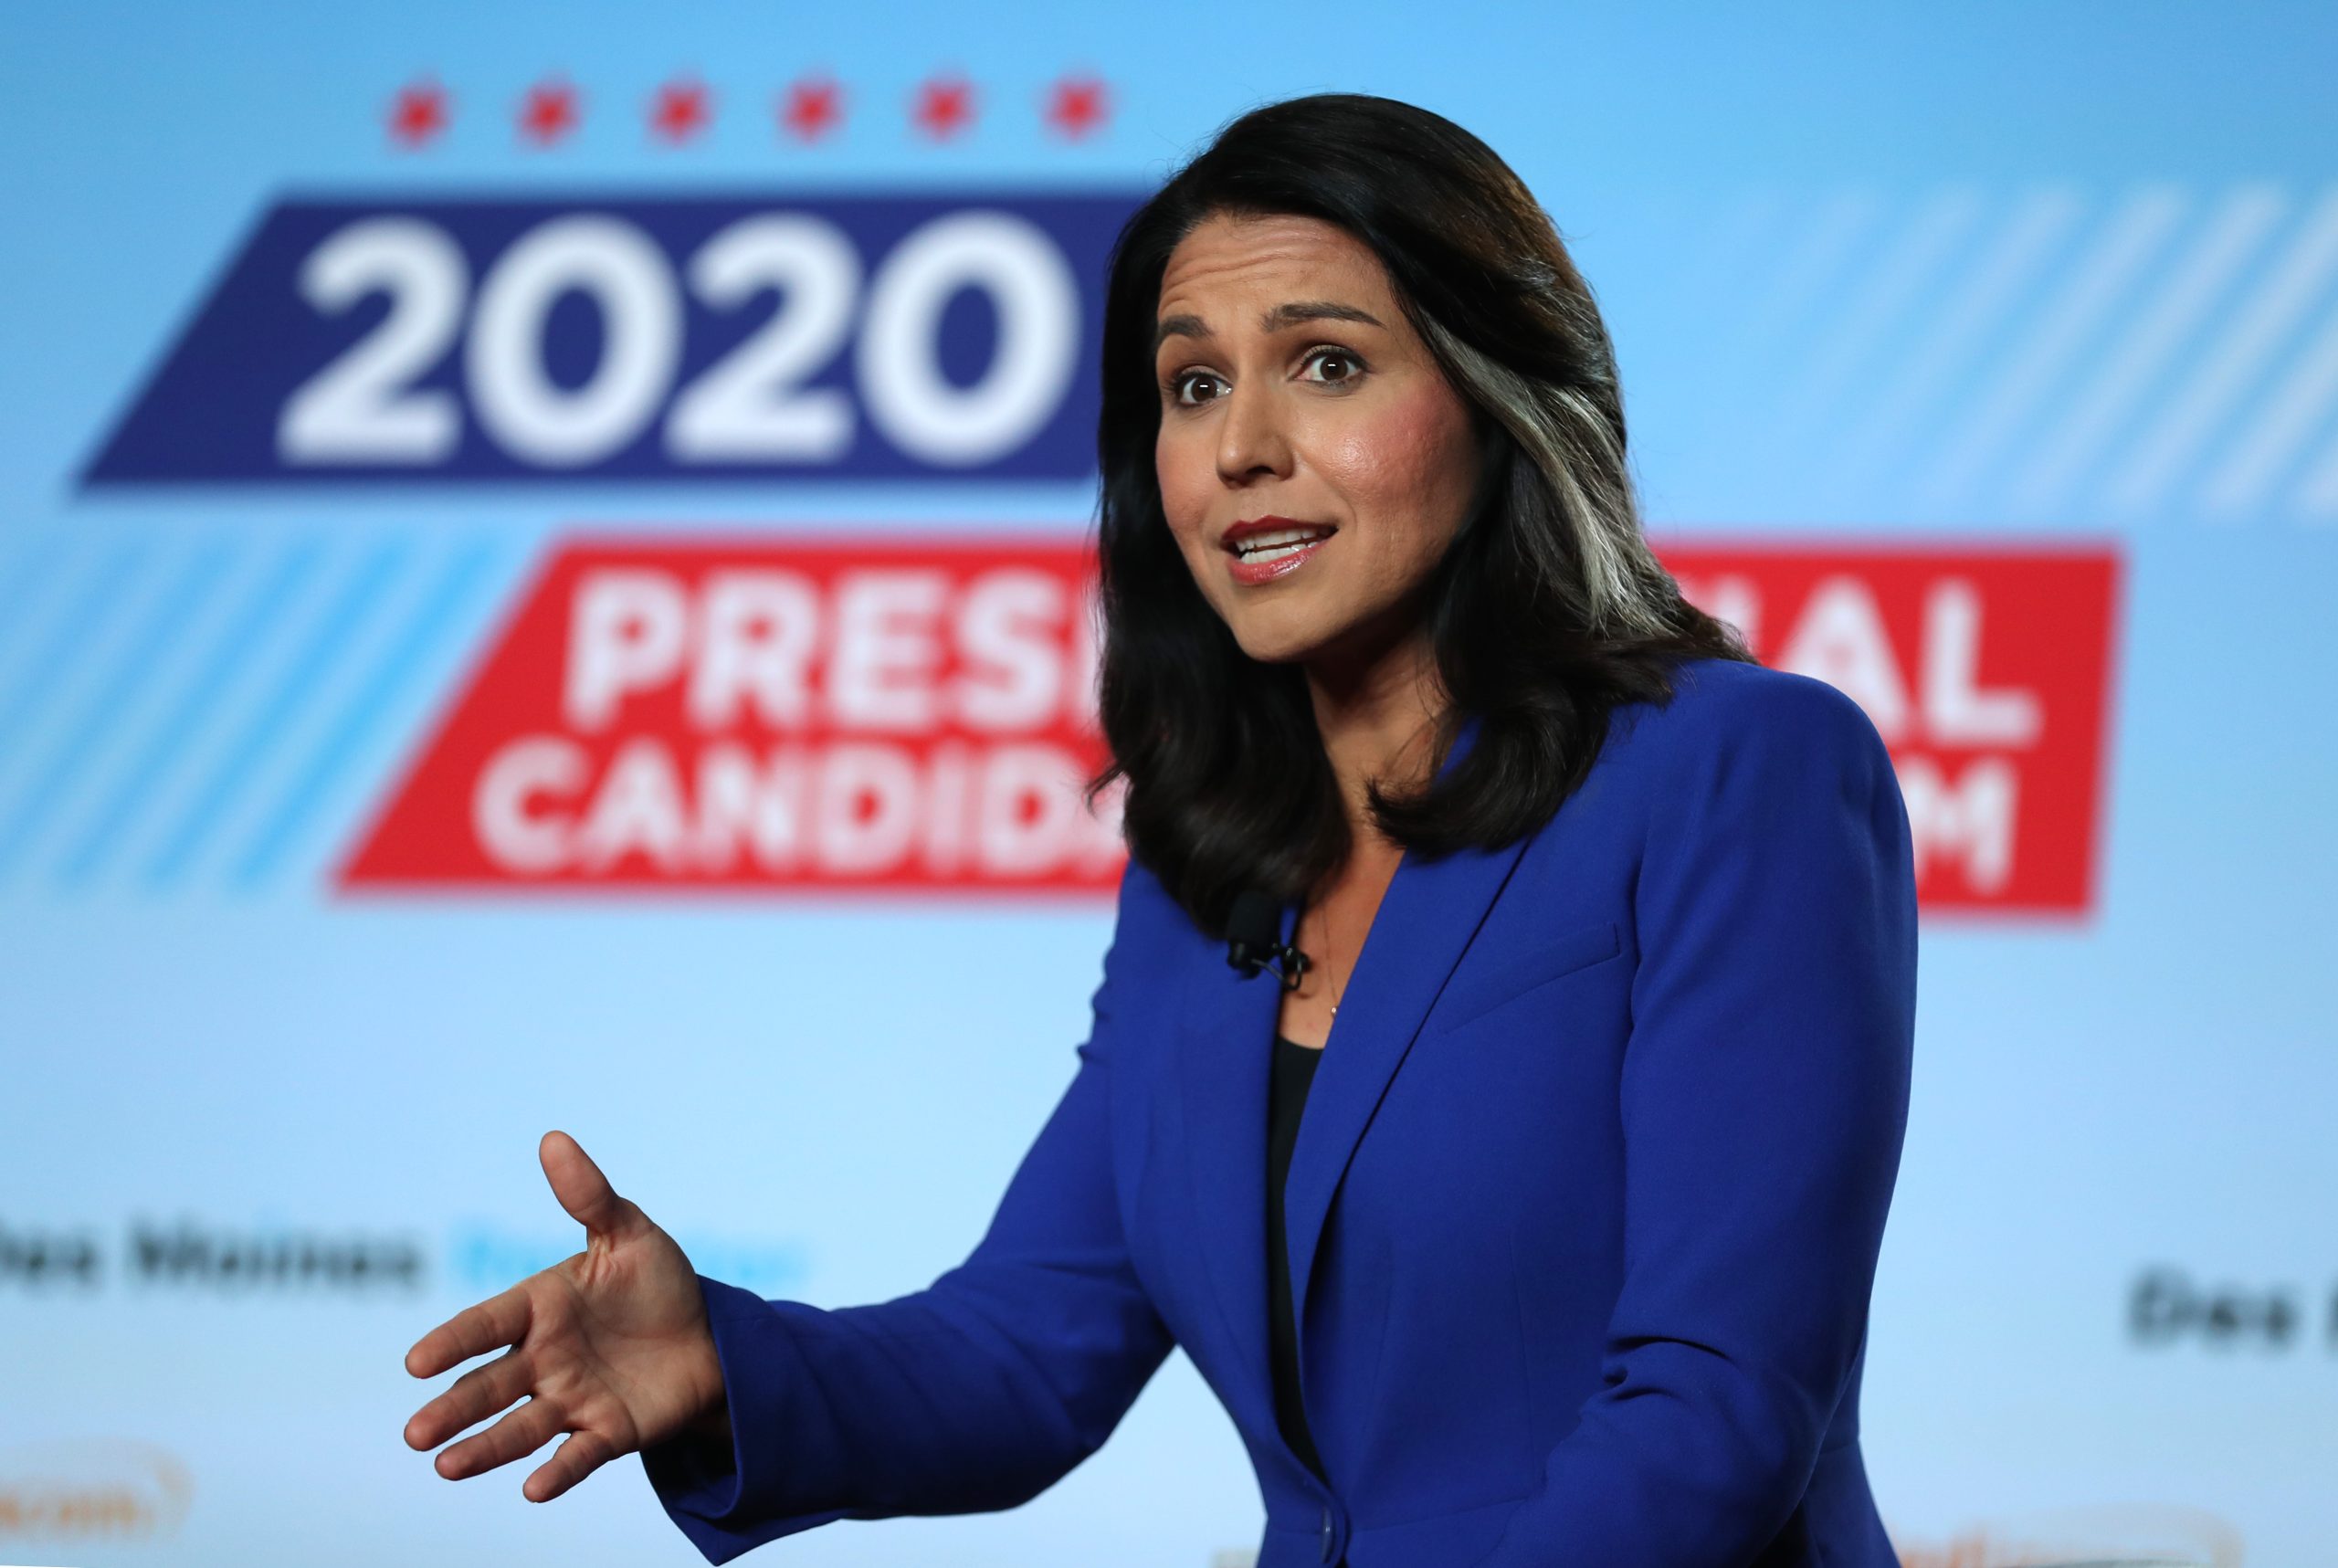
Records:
x=1180, y=385
x=1349, y=365
x=1175, y=386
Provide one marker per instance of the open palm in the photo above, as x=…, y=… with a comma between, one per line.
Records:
x=610, y=1346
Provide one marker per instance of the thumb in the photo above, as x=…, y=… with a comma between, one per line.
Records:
x=578, y=1183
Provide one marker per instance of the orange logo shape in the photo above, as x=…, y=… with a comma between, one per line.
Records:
x=2160, y=1535
x=91, y=1489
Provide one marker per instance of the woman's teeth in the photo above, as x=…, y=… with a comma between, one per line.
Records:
x=1281, y=542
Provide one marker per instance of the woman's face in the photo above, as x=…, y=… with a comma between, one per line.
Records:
x=1314, y=462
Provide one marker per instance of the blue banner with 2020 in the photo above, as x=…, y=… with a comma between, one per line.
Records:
x=838, y=337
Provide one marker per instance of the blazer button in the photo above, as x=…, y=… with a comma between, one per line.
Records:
x=1327, y=1535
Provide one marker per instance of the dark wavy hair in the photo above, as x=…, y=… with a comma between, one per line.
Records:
x=1547, y=611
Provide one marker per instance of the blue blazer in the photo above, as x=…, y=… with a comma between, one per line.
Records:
x=1582, y=1220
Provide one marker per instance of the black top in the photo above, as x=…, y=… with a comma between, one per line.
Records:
x=1287, y=1086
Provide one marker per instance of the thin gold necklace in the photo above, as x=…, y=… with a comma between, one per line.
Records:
x=1323, y=919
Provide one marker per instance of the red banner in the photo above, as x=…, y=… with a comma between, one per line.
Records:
x=918, y=714
x=1986, y=670
x=815, y=714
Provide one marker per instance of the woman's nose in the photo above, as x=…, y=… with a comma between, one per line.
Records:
x=1251, y=442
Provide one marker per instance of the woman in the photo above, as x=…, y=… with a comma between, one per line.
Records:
x=1609, y=958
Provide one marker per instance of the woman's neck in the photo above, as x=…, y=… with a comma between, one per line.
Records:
x=1378, y=719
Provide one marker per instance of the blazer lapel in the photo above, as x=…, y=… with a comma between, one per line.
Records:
x=1425, y=920
x=1228, y=1026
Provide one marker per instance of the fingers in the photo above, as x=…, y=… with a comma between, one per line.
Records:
x=476, y=1396
x=571, y=1463
x=523, y=1431
x=577, y=1183
x=492, y=1324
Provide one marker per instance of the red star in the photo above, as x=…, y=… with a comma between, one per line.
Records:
x=945, y=106
x=418, y=114
x=680, y=109
x=548, y=112
x=1076, y=105
x=811, y=108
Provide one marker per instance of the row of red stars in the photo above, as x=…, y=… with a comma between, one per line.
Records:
x=807, y=109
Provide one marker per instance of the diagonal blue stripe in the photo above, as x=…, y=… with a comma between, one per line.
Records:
x=100, y=713
x=430, y=627
x=197, y=702
x=303, y=671
x=44, y=669
x=23, y=581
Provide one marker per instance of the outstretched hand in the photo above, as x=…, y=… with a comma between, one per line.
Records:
x=610, y=1346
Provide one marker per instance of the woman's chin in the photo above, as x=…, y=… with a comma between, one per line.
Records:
x=1277, y=645
x=1342, y=650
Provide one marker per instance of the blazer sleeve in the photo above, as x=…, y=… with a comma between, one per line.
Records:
x=975, y=1394
x=1764, y=1092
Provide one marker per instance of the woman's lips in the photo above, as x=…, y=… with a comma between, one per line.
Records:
x=1275, y=554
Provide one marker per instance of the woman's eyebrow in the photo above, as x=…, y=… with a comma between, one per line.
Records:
x=1280, y=318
